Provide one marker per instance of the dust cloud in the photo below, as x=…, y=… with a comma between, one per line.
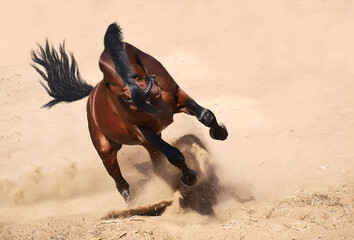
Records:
x=76, y=181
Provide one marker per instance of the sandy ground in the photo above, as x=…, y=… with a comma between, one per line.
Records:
x=278, y=74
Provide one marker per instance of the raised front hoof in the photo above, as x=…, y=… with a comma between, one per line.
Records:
x=189, y=178
x=218, y=133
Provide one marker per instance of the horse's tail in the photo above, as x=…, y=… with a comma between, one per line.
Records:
x=113, y=42
x=63, y=79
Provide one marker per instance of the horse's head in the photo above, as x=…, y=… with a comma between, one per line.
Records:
x=138, y=90
x=151, y=90
x=141, y=94
x=129, y=80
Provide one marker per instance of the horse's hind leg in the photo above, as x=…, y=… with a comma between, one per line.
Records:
x=173, y=155
x=160, y=169
x=187, y=105
x=108, y=153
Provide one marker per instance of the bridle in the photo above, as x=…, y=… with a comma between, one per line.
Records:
x=151, y=79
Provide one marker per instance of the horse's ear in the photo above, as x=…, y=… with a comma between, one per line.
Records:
x=142, y=72
x=140, y=69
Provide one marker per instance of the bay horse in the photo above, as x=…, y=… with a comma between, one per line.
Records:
x=133, y=103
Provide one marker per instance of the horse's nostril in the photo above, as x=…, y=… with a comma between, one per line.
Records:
x=148, y=101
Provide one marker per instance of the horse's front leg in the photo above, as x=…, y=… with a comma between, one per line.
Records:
x=187, y=105
x=108, y=152
x=173, y=155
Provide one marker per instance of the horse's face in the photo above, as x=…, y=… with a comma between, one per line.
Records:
x=151, y=92
x=136, y=93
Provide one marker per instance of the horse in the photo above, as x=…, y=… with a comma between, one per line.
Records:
x=133, y=103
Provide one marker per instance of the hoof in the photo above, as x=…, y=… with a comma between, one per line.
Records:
x=189, y=178
x=124, y=191
x=125, y=195
x=218, y=133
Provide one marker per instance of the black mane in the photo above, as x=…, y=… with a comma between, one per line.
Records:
x=114, y=45
x=113, y=42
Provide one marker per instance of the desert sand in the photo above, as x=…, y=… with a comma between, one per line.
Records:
x=278, y=74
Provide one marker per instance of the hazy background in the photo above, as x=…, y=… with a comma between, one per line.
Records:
x=278, y=74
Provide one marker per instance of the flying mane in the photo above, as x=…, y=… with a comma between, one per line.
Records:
x=114, y=45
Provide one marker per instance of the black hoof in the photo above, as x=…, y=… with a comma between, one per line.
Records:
x=218, y=133
x=189, y=178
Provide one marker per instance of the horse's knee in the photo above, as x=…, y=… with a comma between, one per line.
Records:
x=108, y=152
x=108, y=156
x=104, y=150
x=207, y=117
x=103, y=147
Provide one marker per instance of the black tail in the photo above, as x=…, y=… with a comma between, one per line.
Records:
x=113, y=42
x=63, y=79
